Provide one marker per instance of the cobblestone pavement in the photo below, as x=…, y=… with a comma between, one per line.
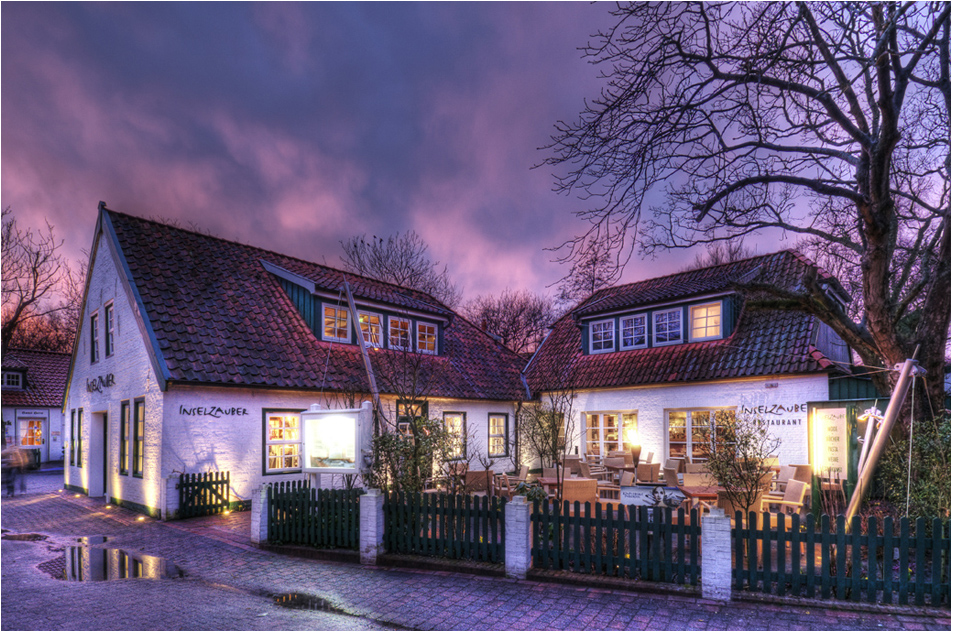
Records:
x=229, y=585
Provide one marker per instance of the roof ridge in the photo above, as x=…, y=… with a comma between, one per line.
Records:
x=276, y=253
x=36, y=351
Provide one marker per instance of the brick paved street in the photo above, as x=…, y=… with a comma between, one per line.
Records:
x=228, y=584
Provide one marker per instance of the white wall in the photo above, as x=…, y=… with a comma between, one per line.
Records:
x=652, y=404
x=133, y=377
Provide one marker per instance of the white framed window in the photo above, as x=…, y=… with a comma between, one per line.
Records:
x=426, y=338
x=372, y=328
x=282, y=441
x=398, y=329
x=497, y=428
x=336, y=322
x=706, y=322
x=667, y=325
x=634, y=331
x=611, y=431
x=456, y=424
x=602, y=336
x=685, y=430
x=12, y=380
x=109, y=325
x=94, y=338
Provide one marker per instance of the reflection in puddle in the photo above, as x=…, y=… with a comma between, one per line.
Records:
x=306, y=601
x=92, y=540
x=85, y=564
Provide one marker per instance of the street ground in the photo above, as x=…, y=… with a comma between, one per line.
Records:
x=230, y=585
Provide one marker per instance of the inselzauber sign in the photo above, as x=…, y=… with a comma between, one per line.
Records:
x=778, y=410
x=100, y=382
x=212, y=412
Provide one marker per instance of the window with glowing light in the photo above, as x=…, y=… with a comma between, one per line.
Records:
x=31, y=432
x=125, y=426
x=94, y=338
x=706, y=322
x=611, y=431
x=138, y=436
x=427, y=338
x=686, y=431
x=496, y=434
x=109, y=325
x=371, y=328
x=335, y=324
x=282, y=442
x=399, y=329
x=456, y=424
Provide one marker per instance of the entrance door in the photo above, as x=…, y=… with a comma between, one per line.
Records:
x=98, y=445
x=31, y=436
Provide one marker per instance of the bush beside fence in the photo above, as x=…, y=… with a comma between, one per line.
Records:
x=875, y=567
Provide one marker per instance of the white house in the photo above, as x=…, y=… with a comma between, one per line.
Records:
x=198, y=354
x=32, y=396
x=651, y=362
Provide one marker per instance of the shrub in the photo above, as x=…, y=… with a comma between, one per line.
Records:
x=930, y=472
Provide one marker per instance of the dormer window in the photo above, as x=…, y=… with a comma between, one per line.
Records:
x=13, y=380
x=668, y=326
x=634, y=331
x=335, y=324
x=371, y=328
x=602, y=336
x=399, y=329
x=706, y=322
x=426, y=338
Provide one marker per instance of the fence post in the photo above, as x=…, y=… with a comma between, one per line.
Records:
x=169, y=497
x=518, y=545
x=716, y=555
x=371, y=538
x=259, y=515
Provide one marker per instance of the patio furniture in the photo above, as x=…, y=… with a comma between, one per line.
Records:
x=793, y=501
x=648, y=458
x=581, y=490
x=696, y=467
x=626, y=456
x=589, y=471
x=549, y=472
x=675, y=463
x=784, y=474
x=647, y=473
x=571, y=463
x=698, y=479
x=627, y=478
x=518, y=478
x=479, y=482
x=452, y=478
x=671, y=477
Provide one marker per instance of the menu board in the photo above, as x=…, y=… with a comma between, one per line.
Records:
x=830, y=442
x=331, y=442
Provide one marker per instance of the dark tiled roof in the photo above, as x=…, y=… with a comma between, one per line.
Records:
x=46, y=374
x=765, y=342
x=783, y=269
x=220, y=317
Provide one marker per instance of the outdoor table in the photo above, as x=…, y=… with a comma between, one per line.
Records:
x=616, y=471
x=701, y=493
x=549, y=483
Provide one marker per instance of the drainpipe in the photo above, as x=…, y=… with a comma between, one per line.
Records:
x=907, y=371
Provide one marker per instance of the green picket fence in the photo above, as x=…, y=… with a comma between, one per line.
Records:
x=203, y=494
x=449, y=526
x=876, y=566
x=635, y=542
x=301, y=515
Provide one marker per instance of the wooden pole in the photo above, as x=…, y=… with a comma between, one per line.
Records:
x=355, y=319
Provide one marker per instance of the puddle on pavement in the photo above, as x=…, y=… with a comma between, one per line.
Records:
x=24, y=537
x=92, y=564
x=92, y=540
x=307, y=602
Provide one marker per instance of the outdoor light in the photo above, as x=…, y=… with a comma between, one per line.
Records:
x=632, y=437
x=141, y=518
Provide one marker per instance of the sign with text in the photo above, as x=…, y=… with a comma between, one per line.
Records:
x=653, y=496
x=830, y=441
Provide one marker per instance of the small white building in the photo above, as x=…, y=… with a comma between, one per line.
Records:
x=32, y=401
x=198, y=354
x=650, y=363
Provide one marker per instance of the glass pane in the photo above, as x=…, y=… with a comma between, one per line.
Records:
x=676, y=426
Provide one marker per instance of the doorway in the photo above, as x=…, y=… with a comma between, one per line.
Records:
x=98, y=449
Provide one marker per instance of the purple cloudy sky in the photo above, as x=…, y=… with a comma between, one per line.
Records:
x=295, y=126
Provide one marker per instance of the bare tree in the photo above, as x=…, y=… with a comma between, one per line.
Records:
x=717, y=253
x=825, y=121
x=593, y=266
x=401, y=259
x=41, y=293
x=519, y=318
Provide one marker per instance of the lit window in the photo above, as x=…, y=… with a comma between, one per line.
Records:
x=282, y=443
x=427, y=338
x=496, y=434
x=603, y=433
x=138, y=436
x=634, y=332
x=668, y=326
x=124, y=427
x=109, y=325
x=12, y=380
x=94, y=338
x=31, y=432
x=706, y=322
x=79, y=439
x=399, y=330
x=335, y=324
x=602, y=336
x=456, y=425
x=371, y=329
x=687, y=429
